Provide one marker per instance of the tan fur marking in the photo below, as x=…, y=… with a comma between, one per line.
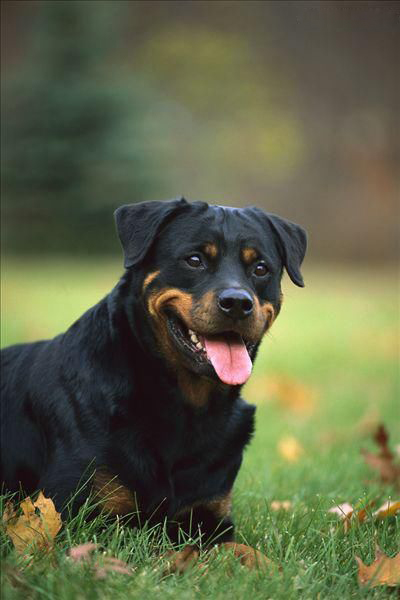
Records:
x=211, y=250
x=264, y=316
x=249, y=557
x=221, y=507
x=249, y=255
x=181, y=301
x=195, y=389
x=114, y=497
x=149, y=278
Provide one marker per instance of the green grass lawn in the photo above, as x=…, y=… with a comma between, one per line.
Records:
x=326, y=376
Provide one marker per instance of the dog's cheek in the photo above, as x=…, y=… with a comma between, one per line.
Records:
x=264, y=316
x=157, y=301
x=181, y=301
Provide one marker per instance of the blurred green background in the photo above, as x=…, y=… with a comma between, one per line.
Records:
x=292, y=106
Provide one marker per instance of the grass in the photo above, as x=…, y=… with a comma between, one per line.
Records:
x=326, y=376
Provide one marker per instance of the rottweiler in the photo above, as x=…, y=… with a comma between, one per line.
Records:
x=142, y=393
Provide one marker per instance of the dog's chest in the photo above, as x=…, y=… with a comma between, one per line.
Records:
x=185, y=456
x=204, y=454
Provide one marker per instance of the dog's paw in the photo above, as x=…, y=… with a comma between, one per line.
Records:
x=179, y=562
x=249, y=557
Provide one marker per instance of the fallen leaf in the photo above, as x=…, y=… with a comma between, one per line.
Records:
x=36, y=527
x=290, y=448
x=256, y=389
x=292, y=395
x=383, y=571
x=381, y=438
x=179, y=562
x=344, y=510
x=389, y=509
x=82, y=553
x=383, y=462
x=249, y=557
x=349, y=515
x=109, y=564
x=281, y=505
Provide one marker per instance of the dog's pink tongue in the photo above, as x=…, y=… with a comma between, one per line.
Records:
x=229, y=357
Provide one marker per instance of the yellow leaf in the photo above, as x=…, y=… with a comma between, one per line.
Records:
x=290, y=448
x=31, y=529
x=383, y=571
x=292, y=395
x=281, y=505
x=389, y=509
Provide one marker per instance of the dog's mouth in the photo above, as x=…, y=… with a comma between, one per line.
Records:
x=226, y=355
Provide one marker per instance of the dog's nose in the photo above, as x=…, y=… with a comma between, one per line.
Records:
x=235, y=303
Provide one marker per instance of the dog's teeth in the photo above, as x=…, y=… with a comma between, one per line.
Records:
x=194, y=338
x=191, y=332
x=199, y=346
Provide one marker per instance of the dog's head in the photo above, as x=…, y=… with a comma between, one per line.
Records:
x=210, y=279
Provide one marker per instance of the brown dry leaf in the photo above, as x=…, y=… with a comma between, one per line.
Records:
x=82, y=553
x=383, y=571
x=383, y=462
x=389, y=509
x=290, y=448
x=292, y=395
x=281, y=505
x=111, y=565
x=349, y=516
x=249, y=557
x=31, y=529
x=179, y=562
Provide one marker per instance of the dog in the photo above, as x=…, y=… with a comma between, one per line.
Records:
x=142, y=393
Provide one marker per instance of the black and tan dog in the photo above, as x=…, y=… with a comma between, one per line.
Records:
x=144, y=389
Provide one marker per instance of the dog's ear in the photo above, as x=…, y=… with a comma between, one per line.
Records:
x=292, y=244
x=138, y=225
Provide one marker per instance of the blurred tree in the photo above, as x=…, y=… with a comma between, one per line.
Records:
x=73, y=142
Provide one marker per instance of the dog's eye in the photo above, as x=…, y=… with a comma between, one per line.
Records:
x=260, y=269
x=194, y=261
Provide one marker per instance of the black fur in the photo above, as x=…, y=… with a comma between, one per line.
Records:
x=103, y=394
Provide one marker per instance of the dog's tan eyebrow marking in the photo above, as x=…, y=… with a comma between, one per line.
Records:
x=149, y=278
x=211, y=250
x=249, y=255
